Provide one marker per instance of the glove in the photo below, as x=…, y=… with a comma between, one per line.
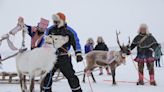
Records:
x=79, y=58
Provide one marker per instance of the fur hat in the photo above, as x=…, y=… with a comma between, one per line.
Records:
x=143, y=25
x=59, y=17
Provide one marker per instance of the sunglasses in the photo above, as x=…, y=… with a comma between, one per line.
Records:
x=56, y=22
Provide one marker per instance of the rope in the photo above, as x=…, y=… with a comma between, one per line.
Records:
x=122, y=81
x=138, y=71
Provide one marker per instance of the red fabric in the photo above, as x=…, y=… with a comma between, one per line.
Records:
x=145, y=60
x=35, y=40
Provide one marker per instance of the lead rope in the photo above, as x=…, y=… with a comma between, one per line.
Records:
x=88, y=79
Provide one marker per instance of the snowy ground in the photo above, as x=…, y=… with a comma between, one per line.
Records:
x=126, y=73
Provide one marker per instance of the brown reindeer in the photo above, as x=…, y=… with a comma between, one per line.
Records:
x=106, y=58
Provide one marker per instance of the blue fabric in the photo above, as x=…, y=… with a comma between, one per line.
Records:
x=88, y=48
x=78, y=46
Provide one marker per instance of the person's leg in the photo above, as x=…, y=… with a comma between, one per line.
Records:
x=156, y=63
x=150, y=66
x=65, y=66
x=159, y=62
x=47, y=81
x=101, y=71
x=140, y=73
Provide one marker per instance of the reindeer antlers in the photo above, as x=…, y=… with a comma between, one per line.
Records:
x=118, y=42
x=129, y=41
x=117, y=34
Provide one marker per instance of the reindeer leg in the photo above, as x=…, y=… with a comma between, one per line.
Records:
x=93, y=77
x=24, y=83
x=32, y=84
x=113, y=70
x=21, y=82
x=84, y=78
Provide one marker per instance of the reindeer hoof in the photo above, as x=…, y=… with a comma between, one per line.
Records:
x=114, y=83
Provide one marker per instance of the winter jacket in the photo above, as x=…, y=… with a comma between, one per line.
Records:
x=158, y=52
x=146, y=47
x=88, y=48
x=66, y=31
x=36, y=37
x=101, y=46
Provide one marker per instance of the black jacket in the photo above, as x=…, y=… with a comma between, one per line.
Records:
x=101, y=46
x=64, y=31
x=145, y=47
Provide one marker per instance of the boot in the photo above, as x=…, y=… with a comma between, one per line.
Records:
x=152, y=81
x=141, y=77
x=140, y=82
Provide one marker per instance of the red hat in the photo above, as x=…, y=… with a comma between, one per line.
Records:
x=62, y=16
x=58, y=17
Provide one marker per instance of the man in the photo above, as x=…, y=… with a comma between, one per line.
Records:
x=36, y=32
x=64, y=60
x=146, y=44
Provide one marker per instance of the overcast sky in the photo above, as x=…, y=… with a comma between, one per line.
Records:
x=90, y=18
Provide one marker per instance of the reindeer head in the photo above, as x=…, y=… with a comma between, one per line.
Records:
x=56, y=40
x=125, y=49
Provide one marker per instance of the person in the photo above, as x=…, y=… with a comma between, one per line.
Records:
x=146, y=44
x=158, y=55
x=102, y=46
x=35, y=32
x=64, y=63
x=89, y=46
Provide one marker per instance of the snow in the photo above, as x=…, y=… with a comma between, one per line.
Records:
x=126, y=75
x=90, y=18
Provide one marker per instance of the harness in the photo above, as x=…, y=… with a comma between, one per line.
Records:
x=10, y=43
x=115, y=57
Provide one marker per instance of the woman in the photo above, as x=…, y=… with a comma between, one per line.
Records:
x=146, y=44
x=103, y=47
x=89, y=46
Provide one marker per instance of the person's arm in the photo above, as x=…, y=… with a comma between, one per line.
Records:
x=106, y=47
x=76, y=44
x=77, y=41
x=154, y=43
x=134, y=43
x=86, y=49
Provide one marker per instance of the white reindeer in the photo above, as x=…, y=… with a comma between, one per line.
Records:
x=39, y=61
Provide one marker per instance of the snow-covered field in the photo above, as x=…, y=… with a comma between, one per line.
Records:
x=126, y=76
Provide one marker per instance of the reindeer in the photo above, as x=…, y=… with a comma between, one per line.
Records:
x=107, y=58
x=39, y=61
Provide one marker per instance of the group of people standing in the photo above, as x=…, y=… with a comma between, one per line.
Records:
x=145, y=42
